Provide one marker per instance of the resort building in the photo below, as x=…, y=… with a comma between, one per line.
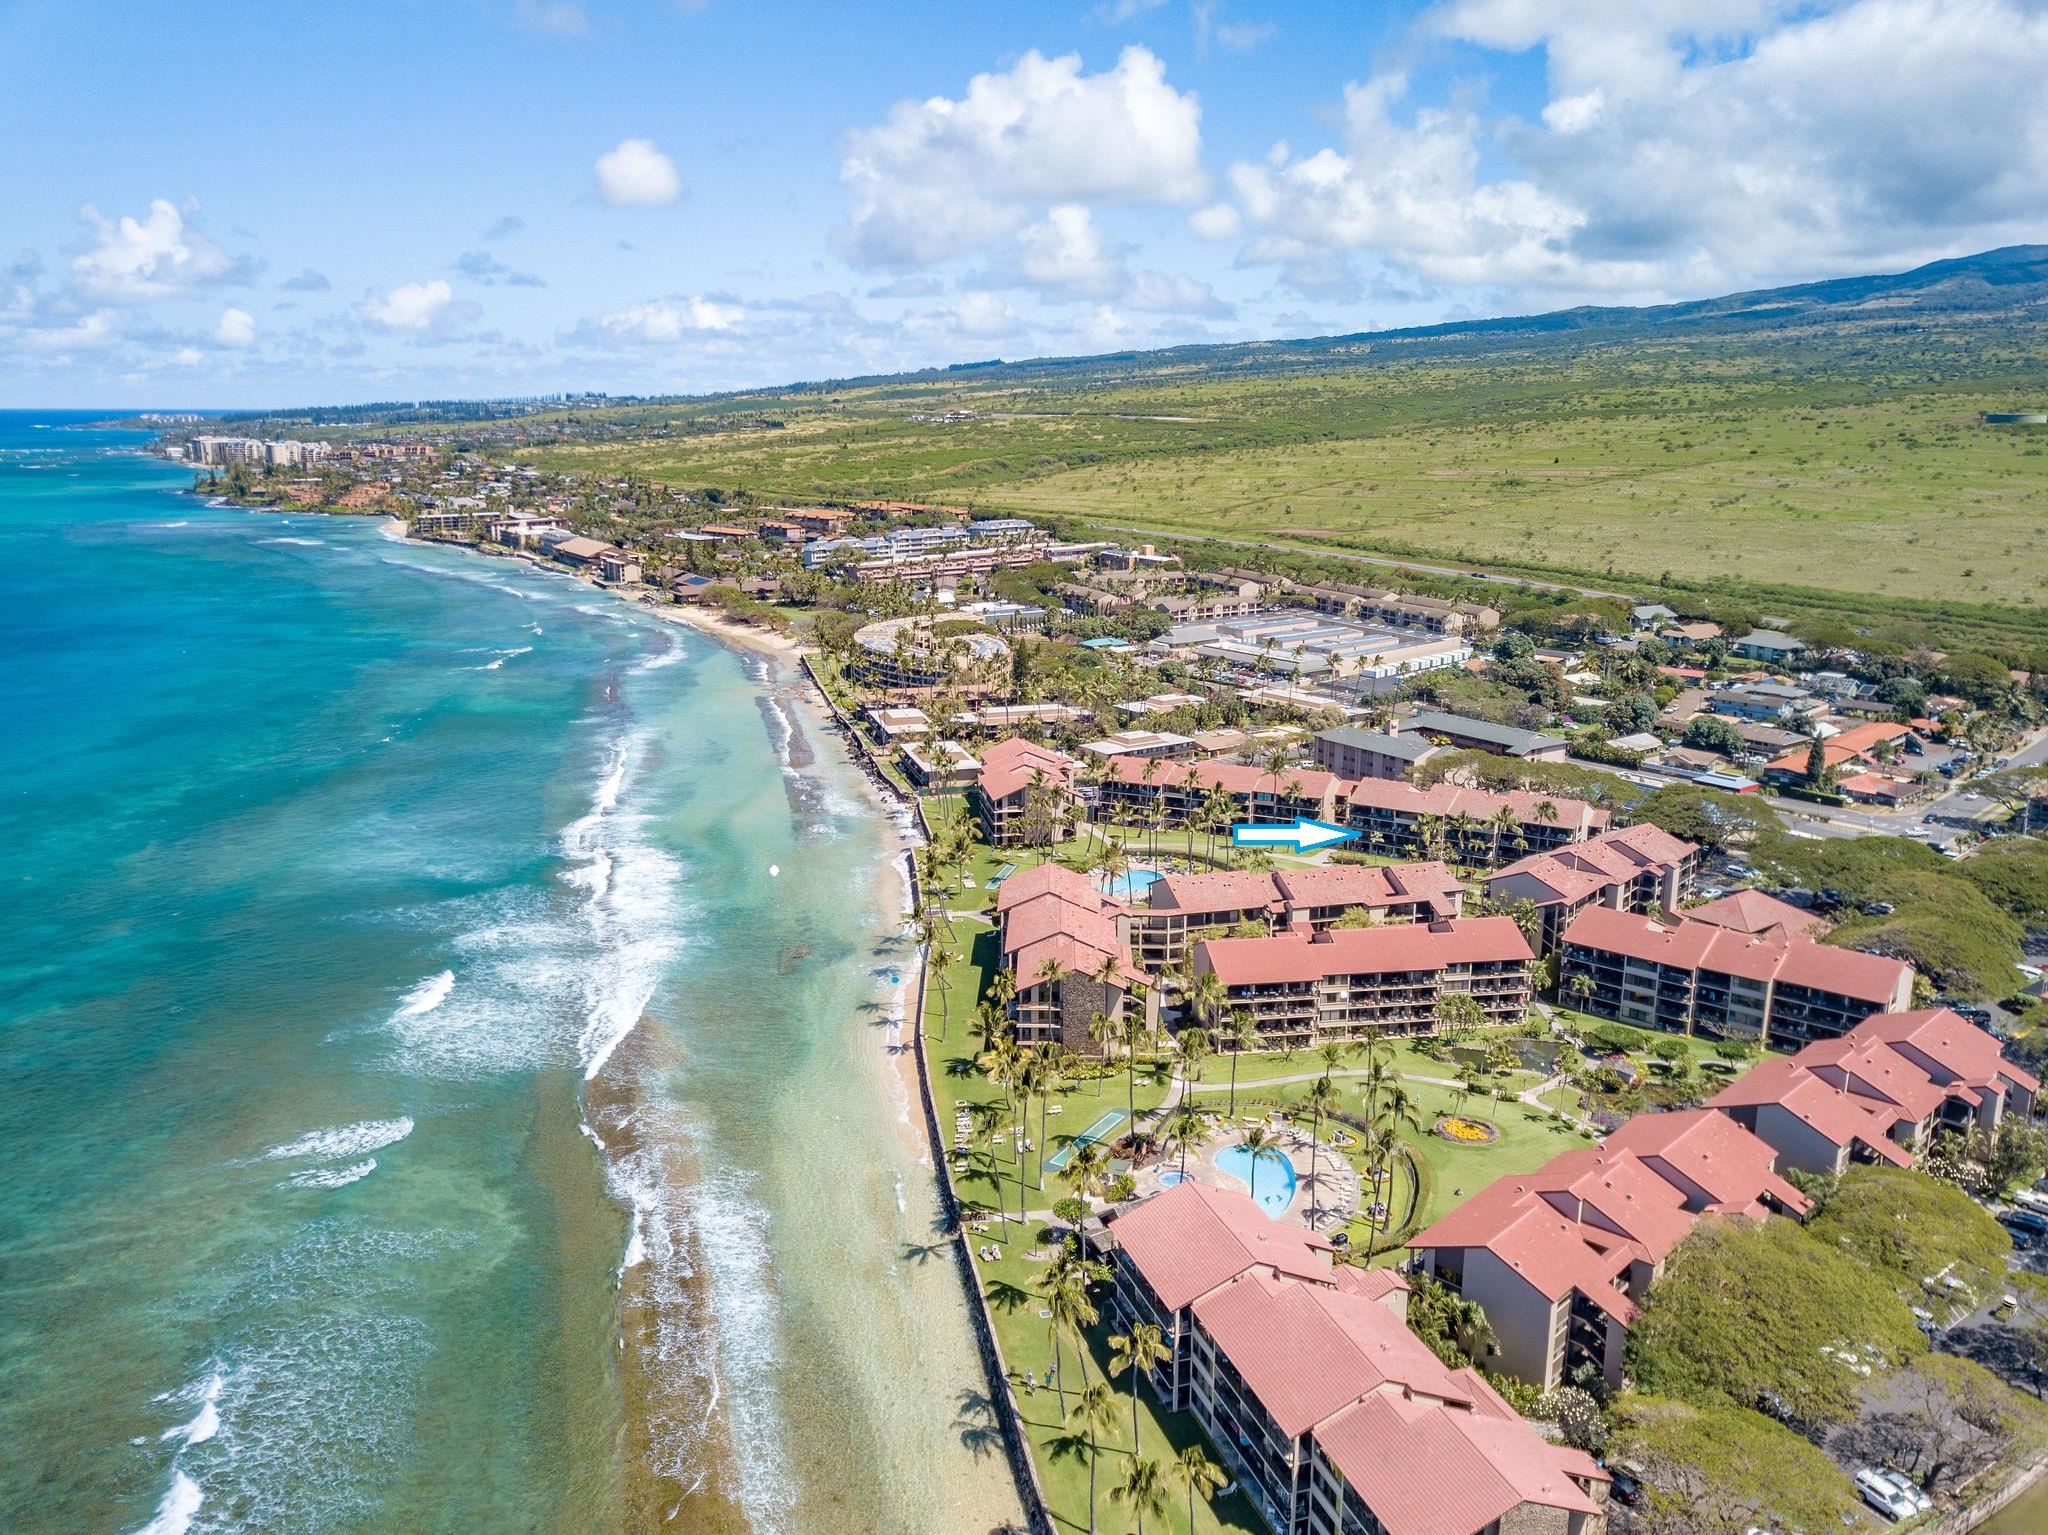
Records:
x=1162, y=744
x=1774, y=987
x=1303, y=988
x=1137, y=786
x=938, y=765
x=1469, y=734
x=1063, y=942
x=1024, y=793
x=1560, y=1258
x=1353, y=753
x=1279, y=900
x=1335, y=1417
x=1751, y=911
x=1476, y=827
x=1880, y=1092
x=916, y=653
x=1630, y=868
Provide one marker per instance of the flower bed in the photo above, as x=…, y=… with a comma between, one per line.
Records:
x=1467, y=1132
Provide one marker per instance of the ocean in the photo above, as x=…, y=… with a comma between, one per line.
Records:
x=448, y=1073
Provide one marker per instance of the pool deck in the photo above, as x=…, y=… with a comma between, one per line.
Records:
x=1331, y=1194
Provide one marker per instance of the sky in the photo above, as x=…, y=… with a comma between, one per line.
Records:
x=271, y=204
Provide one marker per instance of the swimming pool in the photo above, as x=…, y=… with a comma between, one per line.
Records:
x=1275, y=1191
x=1172, y=1179
x=1132, y=886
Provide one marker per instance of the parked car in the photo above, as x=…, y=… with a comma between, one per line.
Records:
x=1908, y=1488
x=1827, y=898
x=1625, y=1488
x=1876, y=1488
x=1876, y=908
x=2026, y=1223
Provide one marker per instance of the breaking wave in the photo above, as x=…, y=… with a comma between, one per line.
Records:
x=345, y=1140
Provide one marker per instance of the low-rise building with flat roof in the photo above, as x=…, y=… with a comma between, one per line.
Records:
x=1483, y=735
x=1353, y=753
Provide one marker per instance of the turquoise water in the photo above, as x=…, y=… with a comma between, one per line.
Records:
x=1275, y=1190
x=420, y=1106
x=1133, y=885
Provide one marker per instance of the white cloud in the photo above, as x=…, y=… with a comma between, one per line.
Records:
x=1063, y=251
x=411, y=306
x=1244, y=35
x=89, y=333
x=1161, y=293
x=1688, y=146
x=154, y=257
x=237, y=328
x=637, y=175
x=663, y=321
x=941, y=178
x=978, y=316
x=1218, y=221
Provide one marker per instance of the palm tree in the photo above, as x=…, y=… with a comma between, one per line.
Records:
x=1065, y=1294
x=1505, y=823
x=1143, y=1488
x=1103, y=1031
x=1194, y=1049
x=1134, y=1031
x=1320, y=1099
x=1094, y=1413
x=1256, y=1140
x=1207, y=993
x=1086, y=1171
x=1197, y=1473
x=1580, y=989
x=1243, y=1034
x=1137, y=1351
x=1470, y=1329
x=1183, y=1129
x=982, y=1121
x=1380, y=1146
x=1037, y=1080
x=1192, y=782
x=1002, y=990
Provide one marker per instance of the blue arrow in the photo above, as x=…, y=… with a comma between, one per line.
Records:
x=1305, y=835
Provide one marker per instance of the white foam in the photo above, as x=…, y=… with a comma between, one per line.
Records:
x=205, y=1423
x=303, y=543
x=503, y=657
x=345, y=1140
x=331, y=1177
x=426, y=996
x=180, y=1504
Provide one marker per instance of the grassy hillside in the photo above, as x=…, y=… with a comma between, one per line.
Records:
x=1823, y=438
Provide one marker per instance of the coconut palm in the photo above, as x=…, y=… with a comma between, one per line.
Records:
x=1134, y=1032
x=1580, y=989
x=1320, y=1100
x=1380, y=1146
x=1094, y=1414
x=1194, y=1049
x=1103, y=1031
x=1087, y=1170
x=1065, y=1293
x=1256, y=1140
x=1137, y=1351
x=983, y=1119
x=1198, y=1474
x=1243, y=1034
x=1183, y=1129
x=1143, y=1490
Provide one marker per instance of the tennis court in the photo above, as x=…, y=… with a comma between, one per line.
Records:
x=1101, y=1130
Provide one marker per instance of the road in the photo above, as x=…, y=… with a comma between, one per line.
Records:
x=1462, y=572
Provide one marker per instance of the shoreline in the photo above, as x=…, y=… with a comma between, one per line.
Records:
x=607, y=1103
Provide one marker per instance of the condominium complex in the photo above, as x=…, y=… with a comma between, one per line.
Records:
x=1630, y=868
x=1561, y=1258
x=1476, y=826
x=1880, y=1092
x=1176, y=791
x=1024, y=793
x=1279, y=900
x=1302, y=989
x=1060, y=937
x=1335, y=1417
x=1774, y=987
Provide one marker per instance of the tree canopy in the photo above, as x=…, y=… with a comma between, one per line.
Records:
x=1912, y=1226
x=1720, y=1470
x=1713, y=818
x=2013, y=874
x=1742, y=1309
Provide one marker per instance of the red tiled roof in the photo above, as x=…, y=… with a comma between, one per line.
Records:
x=1448, y=799
x=1049, y=879
x=1010, y=765
x=1775, y=955
x=1949, y=1040
x=1343, y=885
x=1192, y=1238
x=1715, y=1154
x=1228, y=890
x=1842, y=1116
x=1424, y=1469
x=1307, y=1350
x=1366, y=950
x=1230, y=777
x=1751, y=911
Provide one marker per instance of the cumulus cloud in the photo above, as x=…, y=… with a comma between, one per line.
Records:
x=1218, y=221
x=978, y=316
x=158, y=256
x=637, y=175
x=941, y=178
x=1063, y=251
x=236, y=328
x=663, y=321
x=1686, y=146
x=412, y=306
